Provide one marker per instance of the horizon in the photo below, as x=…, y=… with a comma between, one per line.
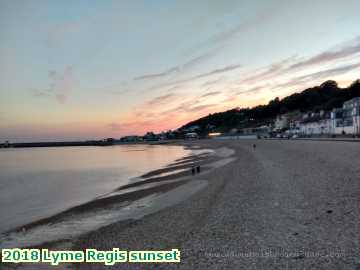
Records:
x=73, y=71
x=344, y=88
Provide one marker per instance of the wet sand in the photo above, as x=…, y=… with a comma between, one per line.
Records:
x=284, y=205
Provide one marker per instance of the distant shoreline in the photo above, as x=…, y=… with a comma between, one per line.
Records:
x=157, y=142
x=81, y=143
x=55, y=144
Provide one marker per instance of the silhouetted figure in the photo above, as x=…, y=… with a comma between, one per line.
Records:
x=198, y=169
x=254, y=146
x=193, y=171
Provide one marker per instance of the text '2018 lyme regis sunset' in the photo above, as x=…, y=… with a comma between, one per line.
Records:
x=179, y=134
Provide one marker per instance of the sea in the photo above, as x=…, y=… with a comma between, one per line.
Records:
x=36, y=183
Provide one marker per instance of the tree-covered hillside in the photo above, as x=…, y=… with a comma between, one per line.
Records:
x=324, y=97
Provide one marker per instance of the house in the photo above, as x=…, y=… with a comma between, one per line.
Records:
x=295, y=124
x=346, y=120
x=191, y=135
x=281, y=122
x=316, y=124
x=192, y=128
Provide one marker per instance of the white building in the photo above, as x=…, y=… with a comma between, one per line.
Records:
x=281, y=122
x=191, y=135
x=316, y=124
x=316, y=127
x=346, y=120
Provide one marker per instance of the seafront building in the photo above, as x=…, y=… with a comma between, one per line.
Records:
x=315, y=124
x=191, y=135
x=346, y=120
x=340, y=121
x=281, y=122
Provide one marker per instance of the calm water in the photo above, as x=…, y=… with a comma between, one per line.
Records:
x=40, y=182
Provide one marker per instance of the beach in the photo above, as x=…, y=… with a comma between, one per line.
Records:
x=284, y=205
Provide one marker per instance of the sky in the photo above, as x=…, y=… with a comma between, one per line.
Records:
x=76, y=70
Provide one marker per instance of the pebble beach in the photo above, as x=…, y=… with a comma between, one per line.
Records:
x=283, y=205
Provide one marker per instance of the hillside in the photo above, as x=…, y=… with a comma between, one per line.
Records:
x=324, y=97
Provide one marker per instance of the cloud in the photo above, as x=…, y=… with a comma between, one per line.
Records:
x=161, y=99
x=163, y=119
x=329, y=56
x=199, y=59
x=60, y=85
x=172, y=89
x=217, y=71
x=170, y=107
x=178, y=68
x=231, y=33
x=211, y=82
x=157, y=75
x=224, y=36
x=201, y=107
x=288, y=69
x=190, y=105
x=41, y=93
x=207, y=74
x=154, y=108
x=309, y=79
x=179, y=108
x=329, y=72
x=269, y=72
x=291, y=65
x=252, y=90
x=178, y=82
x=213, y=93
x=117, y=92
